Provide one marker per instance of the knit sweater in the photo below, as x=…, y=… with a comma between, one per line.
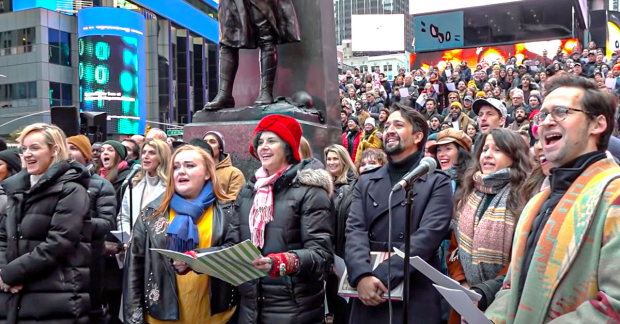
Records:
x=149, y=188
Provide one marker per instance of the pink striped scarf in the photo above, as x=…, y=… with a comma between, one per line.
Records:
x=262, y=208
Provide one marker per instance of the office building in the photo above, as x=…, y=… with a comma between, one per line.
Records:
x=43, y=63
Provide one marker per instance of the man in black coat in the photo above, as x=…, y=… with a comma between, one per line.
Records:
x=367, y=226
x=102, y=213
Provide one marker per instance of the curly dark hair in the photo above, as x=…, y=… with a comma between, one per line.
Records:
x=511, y=144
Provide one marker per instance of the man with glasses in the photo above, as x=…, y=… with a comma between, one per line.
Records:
x=452, y=97
x=564, y=265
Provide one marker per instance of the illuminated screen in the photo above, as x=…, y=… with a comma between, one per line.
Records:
x=372, y=33
x=109, y=82
x=54, y=5
x=111, y=67
x=448, y=5
x=489, y=54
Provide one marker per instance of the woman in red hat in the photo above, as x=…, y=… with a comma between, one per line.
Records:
x=284, y=209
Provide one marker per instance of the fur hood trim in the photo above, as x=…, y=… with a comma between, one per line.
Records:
x=316, y=178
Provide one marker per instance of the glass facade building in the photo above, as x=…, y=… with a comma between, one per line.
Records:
x=39, y=59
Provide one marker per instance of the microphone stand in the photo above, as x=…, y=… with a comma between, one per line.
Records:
x=130, y=207
x=408, y=205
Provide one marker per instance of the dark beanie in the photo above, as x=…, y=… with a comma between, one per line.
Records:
x=202, y=144
x=118, y=147
x=11, y=158
x=354, y=118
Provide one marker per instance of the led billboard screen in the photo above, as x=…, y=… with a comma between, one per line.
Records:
x=111, y=67
x=378, y=33
x=489, y=54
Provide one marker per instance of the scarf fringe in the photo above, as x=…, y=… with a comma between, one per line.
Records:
x=175, y=243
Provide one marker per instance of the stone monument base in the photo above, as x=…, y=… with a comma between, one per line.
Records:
x=238, y=124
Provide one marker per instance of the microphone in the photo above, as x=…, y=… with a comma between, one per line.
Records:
x=134, y=170
x=426, y=165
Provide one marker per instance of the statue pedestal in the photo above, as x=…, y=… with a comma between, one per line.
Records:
x=310, y=65
x=238, y=124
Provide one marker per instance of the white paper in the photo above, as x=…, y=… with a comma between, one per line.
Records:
x=533, y=68
x=232, y=264
x=463, y=305
x=436, y=87
x=121, y=236
x=450, y=86
x=421, y=100
x=448, y=73
x=120, y=260
x=610, y=83
x=436, y=276
x=404, y=92
x=339, y=265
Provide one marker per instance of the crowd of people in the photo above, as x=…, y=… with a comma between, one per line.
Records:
x=526, y=193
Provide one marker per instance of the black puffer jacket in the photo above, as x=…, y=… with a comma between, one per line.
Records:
x=102, y=214
x=45, y=245
x=302, y=224
x=342, y=201
x=113, y=275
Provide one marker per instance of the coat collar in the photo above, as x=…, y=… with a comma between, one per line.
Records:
x=379, y=190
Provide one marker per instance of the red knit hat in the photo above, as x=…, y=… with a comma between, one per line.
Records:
x=287, y=128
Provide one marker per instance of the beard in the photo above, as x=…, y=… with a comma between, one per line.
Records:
x=393, y=150
x=520, y=119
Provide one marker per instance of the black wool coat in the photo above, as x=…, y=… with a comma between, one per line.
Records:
x=367, y=230
x=45, y=246
x=303, y=221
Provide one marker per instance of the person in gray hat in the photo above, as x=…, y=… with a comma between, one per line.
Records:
x=491, y=114
x=468, y=102
x=230, y=177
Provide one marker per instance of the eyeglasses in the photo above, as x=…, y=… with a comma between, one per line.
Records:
x=558, y=114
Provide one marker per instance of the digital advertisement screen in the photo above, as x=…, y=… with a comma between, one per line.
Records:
x=489, y=54
x=378, y=33
x=108, y=72
x=111, y=67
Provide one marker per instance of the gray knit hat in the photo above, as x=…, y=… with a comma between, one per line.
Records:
x=219, y=137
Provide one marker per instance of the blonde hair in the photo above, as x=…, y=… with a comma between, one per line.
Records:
x=345, y=161
x=210, y=168
x=55, y=139
x=163, y=155
x=304, y=149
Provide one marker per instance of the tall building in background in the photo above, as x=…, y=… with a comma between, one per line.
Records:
x=343, y=9
x=43, y=64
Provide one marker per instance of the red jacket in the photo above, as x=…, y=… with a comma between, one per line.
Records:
x=356, y=142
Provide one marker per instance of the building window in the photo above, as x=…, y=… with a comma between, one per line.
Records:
x=60, y=94
x=59, y=47
x=9, y=93
x=17, y=41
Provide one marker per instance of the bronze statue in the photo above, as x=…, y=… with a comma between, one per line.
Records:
x=250, y=24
